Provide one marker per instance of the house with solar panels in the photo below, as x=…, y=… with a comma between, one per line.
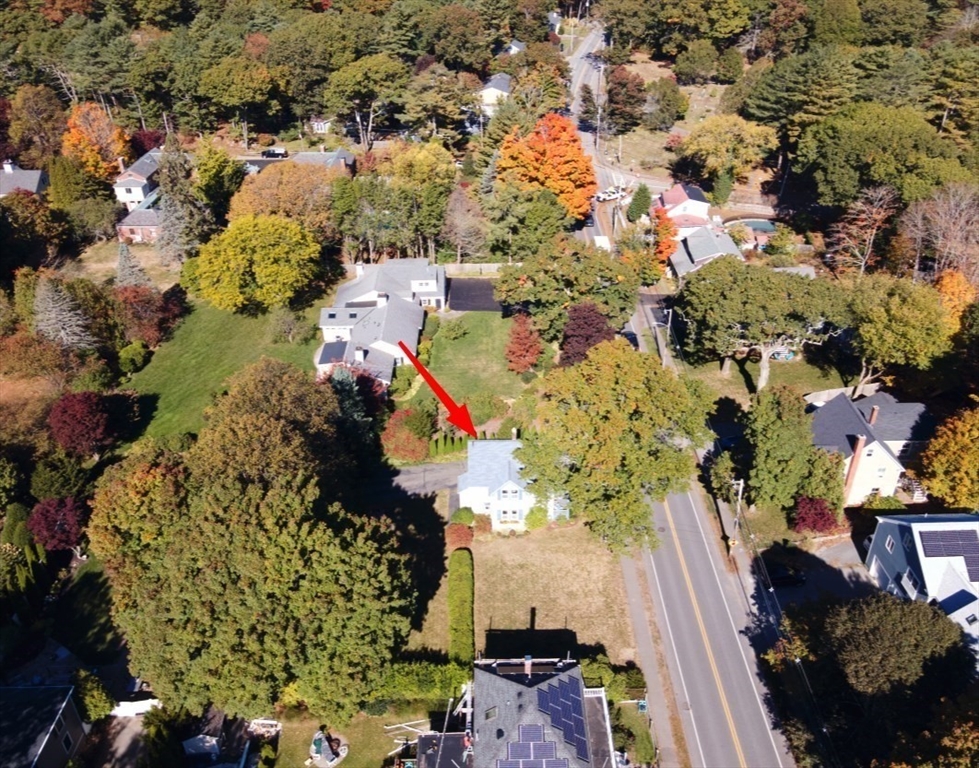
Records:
x=933, y=558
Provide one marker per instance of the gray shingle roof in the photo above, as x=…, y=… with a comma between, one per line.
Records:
x=145, y=167
x=898, y=421
x=500, y=81
x=19, y=178
x=701, y=246
x=393, y=278
x=27, y=714
x=490, y=464
x=146, y=215
x=338, y=158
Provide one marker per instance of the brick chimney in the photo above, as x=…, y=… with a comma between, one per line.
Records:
x=872, y=419
x=528, y=664
x=122, y=164
x=382, y=299
x=851, y=473
x=359, y=354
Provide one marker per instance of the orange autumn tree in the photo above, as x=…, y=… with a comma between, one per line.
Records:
x=550, y=157
x=664, y=231
x=956, y=293
x=95, y=141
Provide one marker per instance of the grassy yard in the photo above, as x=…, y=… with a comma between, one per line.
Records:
x=210, y=345
x=434, y=634
x=83, y=624
x=98, y=263
x=566, y=574
x=476, y=364
x=368, y=740
x=740, y=385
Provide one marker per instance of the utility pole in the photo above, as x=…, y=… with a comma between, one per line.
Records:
x=733, y=541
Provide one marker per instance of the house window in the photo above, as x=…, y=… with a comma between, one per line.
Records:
x=907, y=541
x=509, y=494
x=486, y=505
x=912, y=579
x=870, y=452
x=331, y=315
x=491, y=713
x=132, y=230
x=128, y=191
x=881, y=471
x=971, y=619
x=59, y=724
x=67, y=742
x=889, y=544
x=353, y=315
x=509, y=516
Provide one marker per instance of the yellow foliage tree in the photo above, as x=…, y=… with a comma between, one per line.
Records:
x=956, y=293
x=95, y=141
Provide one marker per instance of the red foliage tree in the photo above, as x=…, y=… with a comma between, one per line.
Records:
x=57, y=11
x=524, y=347
x=458, y=536
x=626, y=99
x=7, y=150
x=57, y=523
x=148, y=315
x=585, y=328
x=664, y=230
x=79, y=422
x=400, y=442
x=813, y=515
x=145, y=139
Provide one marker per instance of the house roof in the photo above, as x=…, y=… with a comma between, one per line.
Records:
x=546, y=715
x=517, y=46
x=394, y=278
x=27, y=716
x=338, y=158
x=143, y=168
x=680, y=193
x=13, y=178
x=146, y=214
x=806, y=270
x=490, y=464
x=255, y=165
x=501, y=81
x=701, y=246
x=898, y=421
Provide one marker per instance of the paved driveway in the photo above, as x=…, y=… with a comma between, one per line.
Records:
x=834, y=568
x=423, y=479
x=472, y=294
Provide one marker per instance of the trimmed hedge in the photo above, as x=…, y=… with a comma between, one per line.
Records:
x=463, y=515
x=462, y=639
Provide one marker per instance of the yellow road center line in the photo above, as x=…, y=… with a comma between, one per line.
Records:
x=703, y=632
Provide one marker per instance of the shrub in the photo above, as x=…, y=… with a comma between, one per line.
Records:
x=288, y=327
x=432, y=322
x=424, y=351
x=411, y=681
x=505, y=432
x=58, y=476
x=133, y=357
x=404, y=377
x=484, y=407
x=813, y=515
x=421, y=420
x=453, y=330
x=94, y=701
x=878, y=502
x=94, y=376
x=400, y=442
x=723, y=186
x=482, y=525
x=265, y=139
x=458, y=536
x=463, y=515
x=536, y=518
x=524, y=347
x=462, y=640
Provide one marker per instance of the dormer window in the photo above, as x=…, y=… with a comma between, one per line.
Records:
x=353, y=315
x=332, y=315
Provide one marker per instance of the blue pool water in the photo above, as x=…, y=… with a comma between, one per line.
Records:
x=758, y=225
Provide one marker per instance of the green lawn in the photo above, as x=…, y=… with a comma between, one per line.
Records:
x=82, y=620
x=209, y=346
x=476, y=364
x=740, y=385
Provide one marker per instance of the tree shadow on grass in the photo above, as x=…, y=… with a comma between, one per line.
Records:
x=82, y=621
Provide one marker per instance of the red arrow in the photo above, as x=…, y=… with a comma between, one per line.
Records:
x=458, y=414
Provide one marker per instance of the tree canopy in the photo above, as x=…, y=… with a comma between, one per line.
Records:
x=950, y=464
x=606, y=444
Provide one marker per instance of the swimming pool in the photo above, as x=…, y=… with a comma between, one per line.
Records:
x=758, y=225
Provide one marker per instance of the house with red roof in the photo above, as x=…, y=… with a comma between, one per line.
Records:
x=687, y=207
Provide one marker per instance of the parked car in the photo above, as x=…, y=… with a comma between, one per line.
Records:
x=589, y=220
x=275, y=152
x=782, y=575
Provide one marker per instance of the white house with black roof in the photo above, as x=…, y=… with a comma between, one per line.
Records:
x=382, y=306
x=876, y=436
x=934, y=558
x=538, y=713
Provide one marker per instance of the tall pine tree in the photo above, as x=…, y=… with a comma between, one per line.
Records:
x=59, y=318
x=129, y=272
x=184, y=221
x=641, y=200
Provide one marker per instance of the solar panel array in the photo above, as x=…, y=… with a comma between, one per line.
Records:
x=962, y=542
x=564, y=703
x=531, y=751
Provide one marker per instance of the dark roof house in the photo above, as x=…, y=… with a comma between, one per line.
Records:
x=701, y=247
x=13, y=177
x=338, y=158
x=39, y=727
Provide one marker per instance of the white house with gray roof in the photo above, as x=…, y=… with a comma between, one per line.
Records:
x=875, y=436
x=934, y=558
x=492, y=485
x=13, y=178
x=496, y=89
x=381, y=307
x=700, y=248
x=135, y=183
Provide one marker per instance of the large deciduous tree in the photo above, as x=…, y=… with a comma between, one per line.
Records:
x=733, y=307
x=80, y=423
x=625, y=99
x=567, y=272
x=551, y=157
x=364, y=90
x=465, y=225
x=242, y=87
x=258, y=261
x=950, y=463
x=218, y=178
x=856, y=235
x=37, y=122
x=897, y=322
x=95, y=141
x=606, y=443
x=728, y=144
x=944, y=230
x=524, y=347
x=233, y=580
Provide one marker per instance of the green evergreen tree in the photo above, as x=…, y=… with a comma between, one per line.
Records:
x=641, y=201
x=589, y=109
x=779, y=433
x=185, y=223
x=836, y=22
